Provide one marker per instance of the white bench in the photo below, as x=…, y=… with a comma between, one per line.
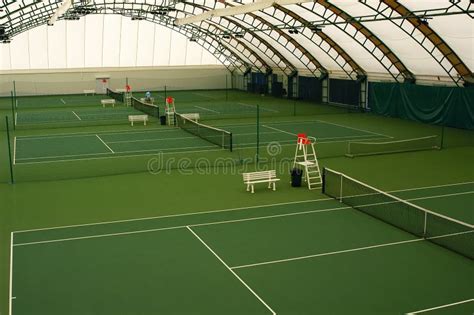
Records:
x=120, y=90
x=91, y=92
x=192, y=116
x=108, y=101
x=260, y=177
x=134, y=118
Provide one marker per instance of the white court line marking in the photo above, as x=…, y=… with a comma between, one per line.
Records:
x=77, y=115
x=63, y=101
x=85, y=134
x=279, y=130
x=14, y=150
x=440, y=306
x=176, y=215
x=122, y=154
x=233, y=272
x=209, y=110
x=153, y=139
x=227, y=210
x=201, y=224
x=343, y=126
x=278, y=261
x=10, y=307
x=325, y=254
x=104, y=143
x=261, y=107
x=100, y=236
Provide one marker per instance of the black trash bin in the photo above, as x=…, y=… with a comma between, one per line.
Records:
x=296, y=176
x=163, y=120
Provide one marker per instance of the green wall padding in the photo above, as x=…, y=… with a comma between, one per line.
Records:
x=448, y=106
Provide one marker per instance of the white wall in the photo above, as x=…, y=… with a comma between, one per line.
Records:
x=71, y=81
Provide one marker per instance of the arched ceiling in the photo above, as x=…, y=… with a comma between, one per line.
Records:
x=403, y=40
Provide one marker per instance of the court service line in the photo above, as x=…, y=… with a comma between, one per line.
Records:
x=104, y=143
x=440, y=306
x=233, y=272
x=76, y=115
x=209, y=110
x=121, y=154
x=10, y=307
x=353, y=128
x=93, y=133
x=213, y=211
x=279, y=130
x=326, y=254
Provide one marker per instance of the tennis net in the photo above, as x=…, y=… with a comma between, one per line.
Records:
x=372, y=148
x=115, y=95
x=450, y=233
x=150, y=109
x=214, y=135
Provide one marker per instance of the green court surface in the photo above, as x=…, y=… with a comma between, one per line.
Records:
x=50, y=117
x=41, y=148
x=305, y=257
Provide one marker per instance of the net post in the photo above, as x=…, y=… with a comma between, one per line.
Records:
x=166, y=96
x=258, y=132
x=13, y=109
x=12, y=179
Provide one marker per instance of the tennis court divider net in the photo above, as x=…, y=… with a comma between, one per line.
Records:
x=214, y=135
x=450, y=233
x=355, y=148
x=115, y=95
x=150, y=109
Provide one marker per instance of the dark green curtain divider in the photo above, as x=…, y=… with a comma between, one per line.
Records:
x=344, y=92
x=447, y=106
x=310, y=89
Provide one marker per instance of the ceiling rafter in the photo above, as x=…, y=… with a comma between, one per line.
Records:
x=319, y=71
x=287, y=68
x=355, y=72
x=457, y=70
x=381, y=52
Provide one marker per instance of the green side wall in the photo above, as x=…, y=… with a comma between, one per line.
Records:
x=448, y=106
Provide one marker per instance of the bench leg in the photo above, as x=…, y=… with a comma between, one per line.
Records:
x=252, y=189
x=269, y=185
x=144, y=123
x=274, y=186
x=248, y=187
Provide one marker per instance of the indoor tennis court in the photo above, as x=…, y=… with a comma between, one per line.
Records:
x=237, y=157
x=282, y=250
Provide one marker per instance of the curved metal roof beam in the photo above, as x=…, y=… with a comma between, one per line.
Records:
x=458, y=71
x=286, y=68
x=356, y=69
x=331, y=12
x=318, y=67
x=213, y=46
